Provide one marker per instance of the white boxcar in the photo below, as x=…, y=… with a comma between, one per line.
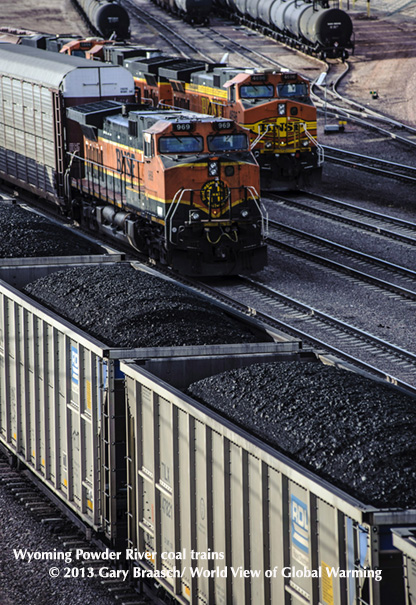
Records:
x=267, y=530
x=36, y=87
x=62, y=401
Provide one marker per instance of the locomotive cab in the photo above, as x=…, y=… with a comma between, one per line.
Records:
x=277, y=109
x=181, y=187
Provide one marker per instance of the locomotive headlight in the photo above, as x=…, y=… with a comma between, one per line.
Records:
x=213, y=169
x=305, y=143
x=282, y=109
x=244, y=213
x=195, y=216
x=268, y=145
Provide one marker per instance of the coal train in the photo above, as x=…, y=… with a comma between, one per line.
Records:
x=195, y=503
x=274, y=106
x=180, y=187
x=108, y=17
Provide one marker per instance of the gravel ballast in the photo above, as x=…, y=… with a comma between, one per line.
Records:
x=358, y=434
x=27, y=234
x=125, y=307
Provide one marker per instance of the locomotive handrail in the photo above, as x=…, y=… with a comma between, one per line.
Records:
x=171, y=213
x=261, y=208
x=259, y=138
x=177, y=198
x=321, y=153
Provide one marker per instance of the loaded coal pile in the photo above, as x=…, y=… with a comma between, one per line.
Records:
x=358, y=434
x=124, y=307
x=26, y=234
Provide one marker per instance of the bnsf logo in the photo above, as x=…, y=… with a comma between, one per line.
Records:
x=125, y=162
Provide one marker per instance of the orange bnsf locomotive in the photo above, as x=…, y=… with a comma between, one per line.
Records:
x=181, y=187
x=274, y=106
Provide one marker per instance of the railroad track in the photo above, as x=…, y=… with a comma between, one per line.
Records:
x=370, y=164
x=362, y=115
x=233, y=46
x=316, y=249
x=70, y=534
x=342, y=212
x=152, y=19
x=319, y=330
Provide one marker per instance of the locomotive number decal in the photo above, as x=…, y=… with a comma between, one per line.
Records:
x=214, y=193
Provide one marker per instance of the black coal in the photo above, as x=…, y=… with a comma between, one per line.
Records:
x=26, y=234
x=357, y=433
x=124, y=307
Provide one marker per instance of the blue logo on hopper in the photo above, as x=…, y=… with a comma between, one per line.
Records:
x=300, y=524
x=75, y=365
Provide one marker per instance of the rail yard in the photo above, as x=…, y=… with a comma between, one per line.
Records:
x=207, y=352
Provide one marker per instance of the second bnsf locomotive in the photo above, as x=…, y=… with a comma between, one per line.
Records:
x=275, y=107
x=181, y=187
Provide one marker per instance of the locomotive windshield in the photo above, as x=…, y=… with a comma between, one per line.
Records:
x=290, y=90
x=257, y=91
x=181, y=144
x=227, y=142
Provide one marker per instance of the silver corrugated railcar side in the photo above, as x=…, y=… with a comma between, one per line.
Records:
x=404, y=539
x=35, y=88
x=267, y=530
x=58, y=406
x=62, y=399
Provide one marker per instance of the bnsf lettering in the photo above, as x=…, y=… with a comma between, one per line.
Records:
x=125, y=162
x=283, y=127
x=212, y=109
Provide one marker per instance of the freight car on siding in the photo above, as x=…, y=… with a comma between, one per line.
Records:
x=77, y=387
x=192, y=11
x=275, y=106
x=107, y=17
x=318, y=27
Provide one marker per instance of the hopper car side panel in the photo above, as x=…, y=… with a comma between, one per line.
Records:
x=404, y=538
x=198, y=484
x=50, y=403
